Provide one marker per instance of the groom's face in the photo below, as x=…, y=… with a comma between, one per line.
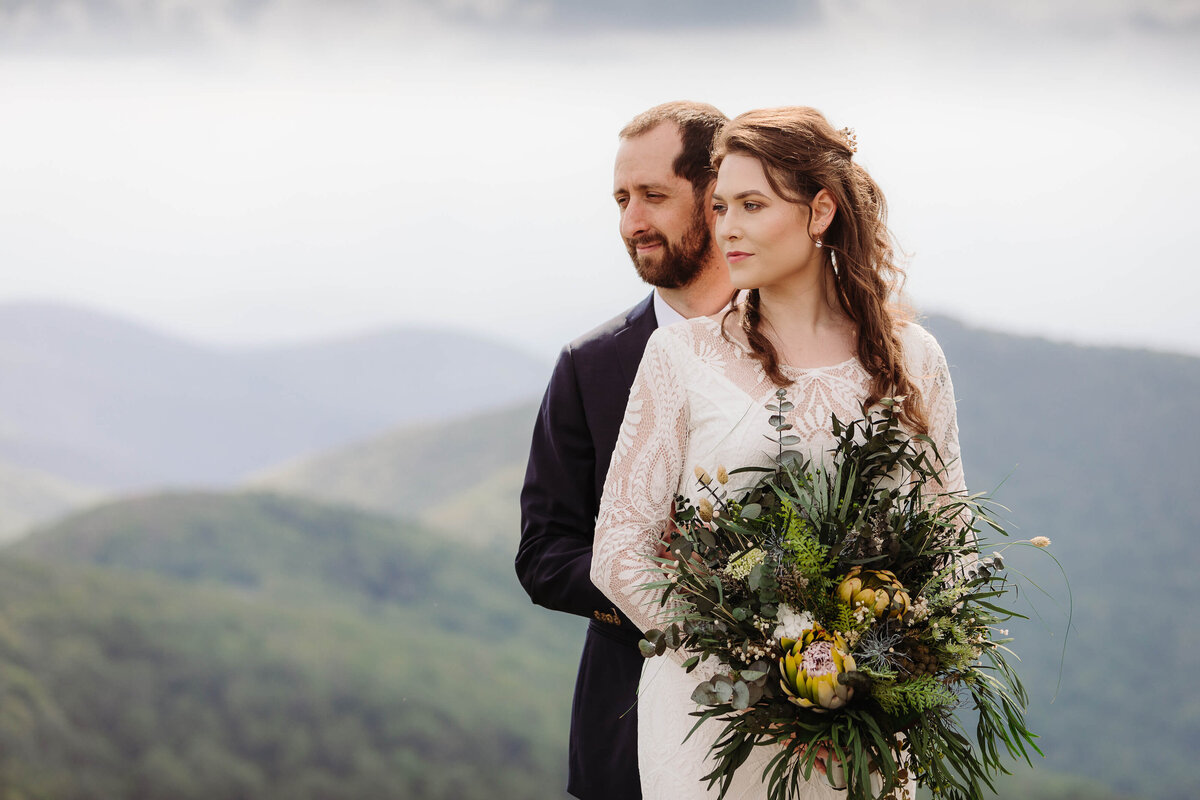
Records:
x=666, y=228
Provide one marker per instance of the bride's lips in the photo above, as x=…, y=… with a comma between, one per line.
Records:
x=736, y=255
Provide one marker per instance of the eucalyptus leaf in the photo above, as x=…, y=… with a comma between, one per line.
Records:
x=741, y=696
x=791, y=458
x=754, y=579
x=672, y=637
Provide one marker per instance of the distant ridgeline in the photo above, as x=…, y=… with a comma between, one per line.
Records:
x=108, y=404
x=358, y=631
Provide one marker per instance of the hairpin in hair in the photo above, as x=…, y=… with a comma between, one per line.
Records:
x=851, y=139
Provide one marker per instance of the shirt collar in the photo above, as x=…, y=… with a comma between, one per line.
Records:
x=664, y=313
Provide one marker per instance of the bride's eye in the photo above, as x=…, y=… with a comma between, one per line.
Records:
x=750, y=205
x=719, y=208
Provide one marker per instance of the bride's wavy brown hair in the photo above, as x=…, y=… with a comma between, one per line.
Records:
x=801, y=154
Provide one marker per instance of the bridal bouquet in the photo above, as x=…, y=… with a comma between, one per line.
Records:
x=848, y=614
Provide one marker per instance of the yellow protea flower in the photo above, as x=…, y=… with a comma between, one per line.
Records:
x=877, y=590
x=810, y=668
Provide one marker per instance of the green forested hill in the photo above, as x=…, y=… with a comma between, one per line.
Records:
x=461, y=477
x=266, y=647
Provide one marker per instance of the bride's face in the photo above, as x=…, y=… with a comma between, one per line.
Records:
x=764, y=237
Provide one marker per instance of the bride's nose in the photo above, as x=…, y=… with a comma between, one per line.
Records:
x=727, y=229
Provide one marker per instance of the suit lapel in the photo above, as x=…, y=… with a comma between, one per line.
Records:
x=631, y=340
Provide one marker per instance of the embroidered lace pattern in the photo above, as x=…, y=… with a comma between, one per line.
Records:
x=699, y=399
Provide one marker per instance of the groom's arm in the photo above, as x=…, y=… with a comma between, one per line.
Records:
x=558, y=502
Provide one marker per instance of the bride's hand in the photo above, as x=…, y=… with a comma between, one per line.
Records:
x=822, y=757
x=824, y=761
x=663, y=550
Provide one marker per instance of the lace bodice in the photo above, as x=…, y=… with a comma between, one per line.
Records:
x=699, y=400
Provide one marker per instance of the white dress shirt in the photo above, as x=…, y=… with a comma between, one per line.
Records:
x=664, y=313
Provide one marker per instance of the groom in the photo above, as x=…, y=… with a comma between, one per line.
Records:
x=663, y=186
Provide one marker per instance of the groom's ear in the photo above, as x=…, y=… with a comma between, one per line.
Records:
x=706, y=204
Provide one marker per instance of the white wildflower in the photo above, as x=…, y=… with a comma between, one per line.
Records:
x=792, y=623
x=919, y=610
x=739, y=569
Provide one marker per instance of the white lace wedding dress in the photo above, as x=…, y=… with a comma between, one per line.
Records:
x=699, y=399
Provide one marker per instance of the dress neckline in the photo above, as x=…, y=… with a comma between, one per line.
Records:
x=785, y=368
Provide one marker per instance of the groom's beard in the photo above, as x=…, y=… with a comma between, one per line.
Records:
x=675, y=264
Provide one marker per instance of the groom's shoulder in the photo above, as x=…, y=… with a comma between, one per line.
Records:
x=603, y=339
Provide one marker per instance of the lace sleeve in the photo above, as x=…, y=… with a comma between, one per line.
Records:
x=932, y=374
x=642, y=481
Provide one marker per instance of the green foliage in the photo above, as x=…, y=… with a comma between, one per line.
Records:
x=810, y=556
x=805, y=528
x=915, y=695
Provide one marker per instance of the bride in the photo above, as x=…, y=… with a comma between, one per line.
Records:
x=803, y=229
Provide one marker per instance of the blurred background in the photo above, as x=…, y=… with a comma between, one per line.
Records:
x=283, y=281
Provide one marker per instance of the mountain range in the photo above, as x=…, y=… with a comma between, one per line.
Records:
x=109, y=404
x=389, y=556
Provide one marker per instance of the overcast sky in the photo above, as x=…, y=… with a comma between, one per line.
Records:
x=323, y=173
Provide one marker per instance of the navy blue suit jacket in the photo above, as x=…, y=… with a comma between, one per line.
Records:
x=573, y=441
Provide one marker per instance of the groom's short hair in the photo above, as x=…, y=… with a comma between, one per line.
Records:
x=698, y=123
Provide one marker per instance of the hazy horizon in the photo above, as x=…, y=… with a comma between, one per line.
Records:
x=304, y=171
